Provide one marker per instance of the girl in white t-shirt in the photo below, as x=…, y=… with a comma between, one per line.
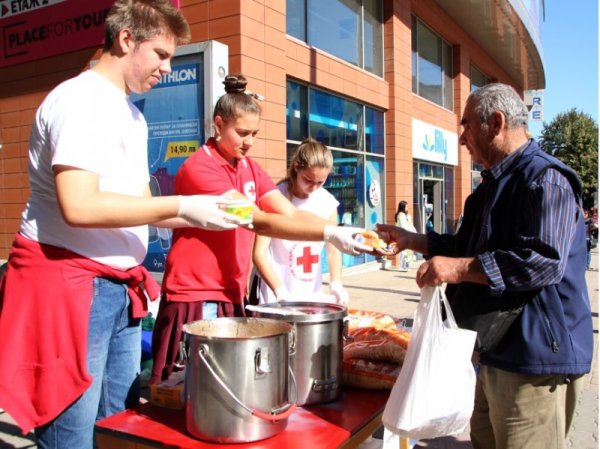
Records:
x=404, y=221
x=292, y=270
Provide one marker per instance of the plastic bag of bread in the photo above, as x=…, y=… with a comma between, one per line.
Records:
x=377, y=344
x=362, y=318
x=369, y=374
x=397, y=336
x=375, y=350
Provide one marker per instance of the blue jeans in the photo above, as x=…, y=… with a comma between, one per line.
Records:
x=113, y=360
x=209, y=310
x=589, y=259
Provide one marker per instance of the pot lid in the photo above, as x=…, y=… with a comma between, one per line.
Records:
x=303, y=311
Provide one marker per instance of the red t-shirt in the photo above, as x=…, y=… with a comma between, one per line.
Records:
x=213, y=265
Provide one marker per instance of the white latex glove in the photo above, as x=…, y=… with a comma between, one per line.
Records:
x=342, y=237
x=202, y=211
x=282, y=294
x=341, y=295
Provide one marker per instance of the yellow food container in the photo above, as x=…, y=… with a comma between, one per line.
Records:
x=240, y=208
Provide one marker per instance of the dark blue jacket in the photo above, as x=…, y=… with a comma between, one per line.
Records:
x=554, y=333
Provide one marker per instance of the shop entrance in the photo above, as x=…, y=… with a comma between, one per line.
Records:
x=431, y=205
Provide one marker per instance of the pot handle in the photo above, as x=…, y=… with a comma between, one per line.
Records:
x=182, y=356
x=274, y=415
x=345, y=332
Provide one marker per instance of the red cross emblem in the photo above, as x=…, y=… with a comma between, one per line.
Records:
x=307, y=260
x=250, y=190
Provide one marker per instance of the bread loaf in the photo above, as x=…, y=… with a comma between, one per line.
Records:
x=388, y=345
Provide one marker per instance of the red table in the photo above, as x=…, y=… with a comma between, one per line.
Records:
x=342, y=423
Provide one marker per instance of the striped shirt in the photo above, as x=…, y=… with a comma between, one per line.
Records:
x=544, y=236
x=544, y=233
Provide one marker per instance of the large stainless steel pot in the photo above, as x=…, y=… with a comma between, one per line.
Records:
x=316, y=359
x=236, y=378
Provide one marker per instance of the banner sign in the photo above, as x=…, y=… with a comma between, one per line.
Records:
x=534, y=99
x=37, y=29
x=174, y=112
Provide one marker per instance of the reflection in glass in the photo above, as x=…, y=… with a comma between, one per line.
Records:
x=296, y=111
x=334, y=26
x=335, y=121
x=478, y=79
x=432, y=65
x=374, y=131
x=346, y=183
x=348, y=129
x=373, y=53
x=295, y=18
x=352, y=30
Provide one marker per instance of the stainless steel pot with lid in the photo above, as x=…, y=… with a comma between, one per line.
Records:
x=316, y=349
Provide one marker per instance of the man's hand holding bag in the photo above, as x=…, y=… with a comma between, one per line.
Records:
x=434, y=393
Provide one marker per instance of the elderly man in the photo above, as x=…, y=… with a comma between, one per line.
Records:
x=516, y=274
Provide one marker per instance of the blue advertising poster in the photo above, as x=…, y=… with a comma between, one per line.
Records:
x=374, y=190
x=175, y=116
x=374, y=203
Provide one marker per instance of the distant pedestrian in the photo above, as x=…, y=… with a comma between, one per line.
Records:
x=404, y=221
x=591, y=237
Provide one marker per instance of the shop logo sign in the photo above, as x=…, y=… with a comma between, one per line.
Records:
x=184, y=74
x=434, y=144
x=374, y=193
x=437, y=144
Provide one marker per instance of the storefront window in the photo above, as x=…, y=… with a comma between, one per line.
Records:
x=355, y=135
x=431, y=65
x=433, y=197
x=335, y=121
x=335, y=27
x=373, y=41
x=448, y=201
x=295, y=17
x=296, y=111
x=374, y=131
x=349, y=29
x=478, y=79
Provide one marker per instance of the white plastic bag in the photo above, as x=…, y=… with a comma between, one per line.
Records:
x=434, y=393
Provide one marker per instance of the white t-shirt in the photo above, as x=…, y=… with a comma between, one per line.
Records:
x=89, y=123
x=405, y=222
x=298, y=264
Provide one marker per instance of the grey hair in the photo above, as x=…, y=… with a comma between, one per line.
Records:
x=500, y=97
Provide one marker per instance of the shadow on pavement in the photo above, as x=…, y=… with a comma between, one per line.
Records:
x=443, y=443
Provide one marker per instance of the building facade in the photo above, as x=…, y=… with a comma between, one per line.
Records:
x=383, y=83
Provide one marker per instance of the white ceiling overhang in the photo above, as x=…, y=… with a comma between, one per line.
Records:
x=506, y=31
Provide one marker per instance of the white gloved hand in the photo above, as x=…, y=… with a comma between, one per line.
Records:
x=282, y=294
x=202, y=211
x=343, y=238
x=337, y=290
